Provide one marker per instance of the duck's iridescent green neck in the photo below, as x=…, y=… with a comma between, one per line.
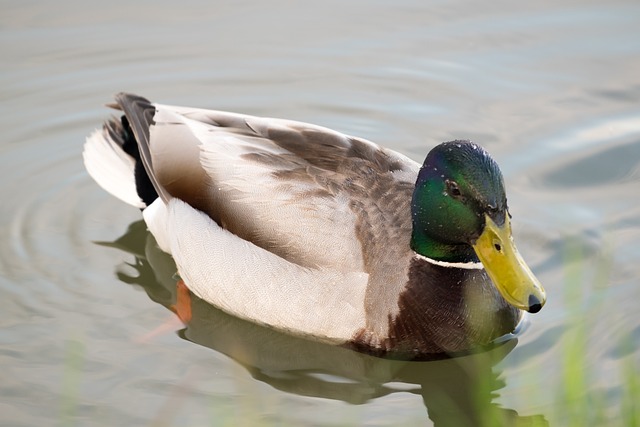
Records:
x=457, y=185
x=431, y=248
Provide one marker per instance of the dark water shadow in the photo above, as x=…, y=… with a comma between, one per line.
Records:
x=612, y=164
x=456, y=391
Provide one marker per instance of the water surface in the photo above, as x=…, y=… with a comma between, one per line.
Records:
x=552, y=90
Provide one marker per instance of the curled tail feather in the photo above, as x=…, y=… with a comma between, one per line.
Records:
x=112, y=158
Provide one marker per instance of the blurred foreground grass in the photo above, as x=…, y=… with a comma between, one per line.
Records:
x=581, y=402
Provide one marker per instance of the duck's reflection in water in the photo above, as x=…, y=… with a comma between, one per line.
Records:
x=456, y=391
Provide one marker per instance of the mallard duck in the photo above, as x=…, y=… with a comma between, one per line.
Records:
x=320, y=234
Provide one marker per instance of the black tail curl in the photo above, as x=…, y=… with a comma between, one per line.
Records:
x=144, y=186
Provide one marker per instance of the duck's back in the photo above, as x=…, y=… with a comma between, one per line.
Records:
x=309, y=194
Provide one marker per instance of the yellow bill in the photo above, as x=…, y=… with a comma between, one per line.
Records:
x=506, y=268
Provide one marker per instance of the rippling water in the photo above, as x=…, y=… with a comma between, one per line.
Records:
x=552, y=90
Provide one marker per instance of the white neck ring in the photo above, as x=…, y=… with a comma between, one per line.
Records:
x=465, y=265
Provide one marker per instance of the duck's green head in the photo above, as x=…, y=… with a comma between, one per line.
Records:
x=460, y=215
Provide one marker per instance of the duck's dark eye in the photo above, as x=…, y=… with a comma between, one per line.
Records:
x=453, y=189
